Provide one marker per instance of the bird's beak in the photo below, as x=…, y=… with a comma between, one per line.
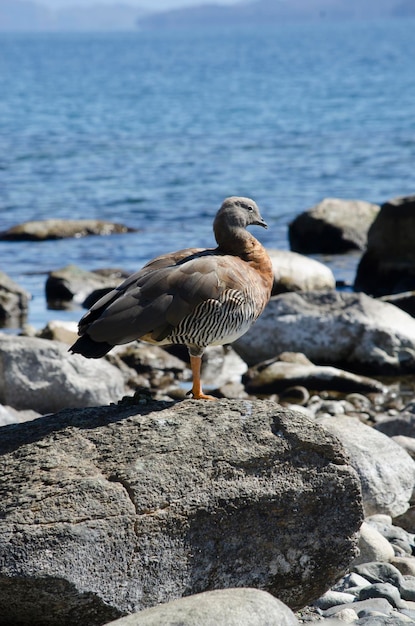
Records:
x=261, y=222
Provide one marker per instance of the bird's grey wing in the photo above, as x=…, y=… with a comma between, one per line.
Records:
x=163, y=261
x=153, y=301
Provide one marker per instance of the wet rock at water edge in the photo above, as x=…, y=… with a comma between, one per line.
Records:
x=59, y=330
x=41, y=230
x=71, y=284
x=14, y=303
x=388, y=265
x=332, y=227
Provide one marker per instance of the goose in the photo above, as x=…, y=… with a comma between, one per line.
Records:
x=195, y=297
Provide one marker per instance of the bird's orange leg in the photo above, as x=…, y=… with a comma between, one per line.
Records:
x=196, y=391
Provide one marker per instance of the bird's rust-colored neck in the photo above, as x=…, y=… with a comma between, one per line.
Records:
x=244, y=245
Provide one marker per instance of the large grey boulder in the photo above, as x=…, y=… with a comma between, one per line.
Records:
x=296, y=272
x=347, y=330
x=333, y=226
x=14, y=303
x=222, y=607
x=388, y=265
x=386, y=471
x=41, y=375
x=116, y=509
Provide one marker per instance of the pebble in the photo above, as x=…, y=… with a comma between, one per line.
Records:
x=379, y=572
x=373, y=545
x=383, y=590
x=348, y=616
x=351, y=580
x=333, y=598
x=361, y=607
x=405, y=565
x=372, y=593
x=407, y=588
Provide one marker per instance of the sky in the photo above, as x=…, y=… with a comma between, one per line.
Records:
x=145, y=4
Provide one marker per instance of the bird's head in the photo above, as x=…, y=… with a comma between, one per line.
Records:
x=237, y=212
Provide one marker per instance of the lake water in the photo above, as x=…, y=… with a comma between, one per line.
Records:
x=155, y=129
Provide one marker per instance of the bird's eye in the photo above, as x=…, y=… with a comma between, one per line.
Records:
x=250, y=208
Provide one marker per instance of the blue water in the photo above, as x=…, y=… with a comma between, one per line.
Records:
x=155, y=129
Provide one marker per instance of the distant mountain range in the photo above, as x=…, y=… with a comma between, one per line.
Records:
x=27, y=15
x=268, y=11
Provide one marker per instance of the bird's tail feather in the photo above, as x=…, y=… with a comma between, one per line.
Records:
x=89, y=348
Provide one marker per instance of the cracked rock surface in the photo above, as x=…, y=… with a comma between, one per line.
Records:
x=109, y=510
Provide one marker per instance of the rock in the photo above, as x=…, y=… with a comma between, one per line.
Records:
x=401, y=424
x=161, y=371
x=373, y=546
x=407, y=519
x=373, y=618
x=351, y=581
x=276, y=375
x=295, y=395
x=388, y=265
x=384, y=468
x=405, y=301
x=407, y=588
x=409, y=613
x=347, y=616
x=385, y=573
x=14, y=303
x=145, y=358
x=383, y=590
x=221, y=365
x=405, y=564
x=320, y=407
x=400, y=540
x=231, y=390
x=9, y=415
x=347, y=330
x=41, y=230
x=41, y=375
x=380, y=605
x=333, y=598
x=296, y=272
x=73, y=284
x=156, y=368
x=133, y=505
x=58, y=330
x=407, y=443
x=379, y=519
x=228, y=607
x=333, y=226
x=377, y=572
x=388, y=530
